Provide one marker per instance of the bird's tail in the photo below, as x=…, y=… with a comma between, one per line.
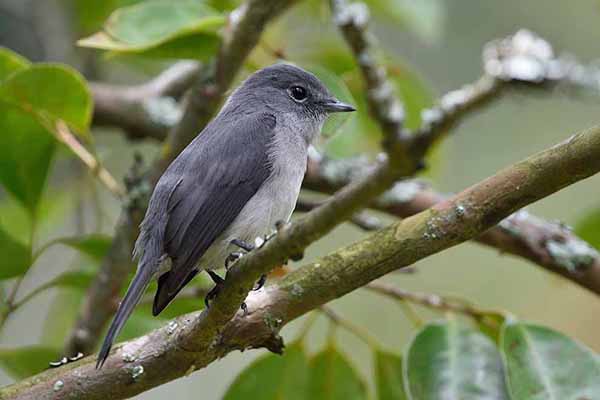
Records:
x=132, y=297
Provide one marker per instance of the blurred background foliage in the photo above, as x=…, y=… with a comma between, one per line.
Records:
x=57, y=220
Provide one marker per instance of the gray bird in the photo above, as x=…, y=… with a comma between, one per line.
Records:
x=238, y=178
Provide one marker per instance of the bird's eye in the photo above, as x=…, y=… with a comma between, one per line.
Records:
x=298, y=93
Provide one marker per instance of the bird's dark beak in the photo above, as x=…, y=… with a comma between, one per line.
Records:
x=334, y=105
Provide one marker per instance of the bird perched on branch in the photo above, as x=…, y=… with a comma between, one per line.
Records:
x=231, y=184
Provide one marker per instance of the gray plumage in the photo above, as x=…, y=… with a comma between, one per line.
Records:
x=235, y=180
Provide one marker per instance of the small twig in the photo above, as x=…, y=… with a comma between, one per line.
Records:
x=64, y=135
x=134, y=108
x=410, y=313
x=348, y=325
x=29, y=296
x=430, y=300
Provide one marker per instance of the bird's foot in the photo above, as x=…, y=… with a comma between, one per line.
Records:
x=242, y=244
x=245, y=247
x=233, y=257
x=214, y=292
x=65, y=360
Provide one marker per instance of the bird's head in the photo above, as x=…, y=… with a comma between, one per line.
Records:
x=287, y=89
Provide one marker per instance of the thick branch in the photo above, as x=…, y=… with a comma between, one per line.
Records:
x=188, y=343
x=550, y=245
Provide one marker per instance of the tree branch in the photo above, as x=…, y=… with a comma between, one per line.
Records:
x=550, y=245
x=147, y=110
x=190, y=343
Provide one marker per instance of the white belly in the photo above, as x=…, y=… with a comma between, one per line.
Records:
x=273, y=202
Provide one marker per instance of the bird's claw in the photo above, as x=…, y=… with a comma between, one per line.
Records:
x=214, y=292
x=260, y=283
x=233, y=257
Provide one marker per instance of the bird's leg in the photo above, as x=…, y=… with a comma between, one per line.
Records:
x=259, y=242
x=260, y=282
x=214, y=292
x=236, y=255
x=232, y=257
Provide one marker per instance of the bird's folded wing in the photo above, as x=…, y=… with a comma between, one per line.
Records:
x=208, y=187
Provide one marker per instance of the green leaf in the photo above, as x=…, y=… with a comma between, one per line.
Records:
x=16, y=257
x=51, y=91
x=273, y=377
x=26, y=361
x=91, y=14
x=588, y=228
x=161, y=28
x=448, y=361
x=95, y=245
x=333, y=378
x=545, y=364
x=26, y=150
x=388, y=376
x=10, y=62
x=74, y=279
x=426, y=18
x=415, y=93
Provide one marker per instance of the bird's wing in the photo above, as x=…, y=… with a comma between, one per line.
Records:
x=219, y=175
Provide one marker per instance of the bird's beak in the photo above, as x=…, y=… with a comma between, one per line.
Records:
x=334, y=105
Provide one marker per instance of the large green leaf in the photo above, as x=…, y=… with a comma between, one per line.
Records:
x=588, y=228
x=388, y=376
x=273, y=377
x=95, y=245
x=15, y=257
x=449, y=361
x=26, y=150
x=543, y=364
x=161, y=28
x=10, y=62
x=51, y=91
x=333, y=378
x=26, y=361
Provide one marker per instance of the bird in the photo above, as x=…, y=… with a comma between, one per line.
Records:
x=239, y=177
